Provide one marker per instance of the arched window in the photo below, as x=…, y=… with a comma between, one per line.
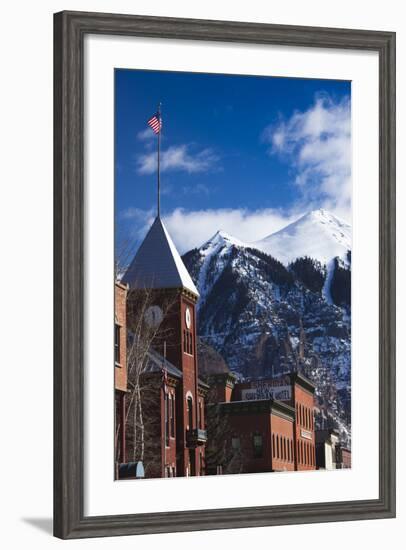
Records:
x=278, y=453
x=190, y=412
x=200, y=415
x=173, y=416
x=167, y=413
x=273, y=446
x=117, y=351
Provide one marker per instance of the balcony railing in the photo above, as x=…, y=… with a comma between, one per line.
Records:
x=196, y=437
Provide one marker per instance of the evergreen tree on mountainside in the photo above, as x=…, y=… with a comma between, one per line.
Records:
x=266, y=318
x=273, y=268
x=309, y=272
x=340, y=288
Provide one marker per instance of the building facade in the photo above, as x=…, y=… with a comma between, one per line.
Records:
x=162, y=298
x=176, y=424
x=270, y=423
x=120, y=370
x=330, y=453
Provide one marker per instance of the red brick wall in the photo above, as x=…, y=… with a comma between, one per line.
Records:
x=221, y=390
x=269, y=426
x=304, y=428
x=120, y=370
x=283, y=438
x=168, y=443
x=346, y=456
x=186, y=361
x=245, y=426
x=189, y=369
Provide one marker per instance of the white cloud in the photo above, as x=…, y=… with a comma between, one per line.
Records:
x=146, y=135
x=190, y=229
x=178, y=158
x=137, y=215
x=317, y=143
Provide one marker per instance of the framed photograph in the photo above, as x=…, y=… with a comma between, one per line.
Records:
x=224, y=275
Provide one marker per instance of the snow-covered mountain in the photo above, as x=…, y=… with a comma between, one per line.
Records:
x=266, y=316
x=319, y=235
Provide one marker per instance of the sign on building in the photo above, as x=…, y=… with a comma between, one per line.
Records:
x=279, y=389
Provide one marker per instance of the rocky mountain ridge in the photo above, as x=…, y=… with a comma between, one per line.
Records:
x=265, y=316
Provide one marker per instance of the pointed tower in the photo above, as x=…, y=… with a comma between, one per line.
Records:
x=157, y=263
x=158, y=268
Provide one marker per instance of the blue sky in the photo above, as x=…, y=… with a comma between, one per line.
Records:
x=242, y=154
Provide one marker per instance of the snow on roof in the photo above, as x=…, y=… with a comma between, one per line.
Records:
x=157, y=263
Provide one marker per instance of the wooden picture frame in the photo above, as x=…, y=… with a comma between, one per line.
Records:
x=70, y=29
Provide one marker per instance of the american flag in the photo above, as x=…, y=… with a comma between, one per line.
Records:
x=155, y=122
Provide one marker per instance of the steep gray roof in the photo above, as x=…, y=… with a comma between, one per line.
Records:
x=156, y=362
x=157, y=263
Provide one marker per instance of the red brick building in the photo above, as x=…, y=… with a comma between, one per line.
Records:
x=173, y=395
x=345, y=458
x=120, y=369
x=255, y=426
x=271, y=422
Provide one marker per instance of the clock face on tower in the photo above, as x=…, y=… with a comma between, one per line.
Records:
x=188, y=318
x=153, y=316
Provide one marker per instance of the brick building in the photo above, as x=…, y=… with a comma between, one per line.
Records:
x=270, y=423
x=162, y=297
x=345, y=458
x=120, y=369
x=192, y=427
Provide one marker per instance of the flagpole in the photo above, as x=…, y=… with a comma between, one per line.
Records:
x=159, y=174
x=166, y=413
